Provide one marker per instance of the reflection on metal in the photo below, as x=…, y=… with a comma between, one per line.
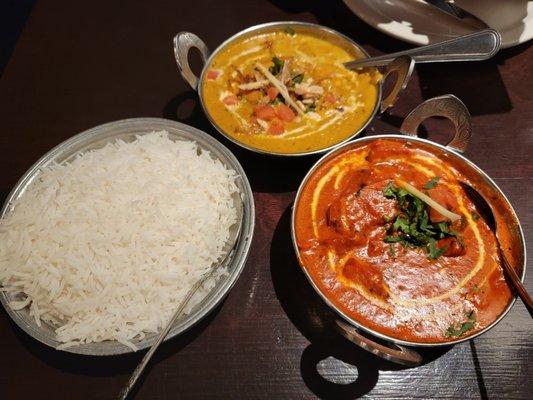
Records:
x=447, y=106
x=183, y=42
x=403, y=66
x=476, y=46
x=393, y=352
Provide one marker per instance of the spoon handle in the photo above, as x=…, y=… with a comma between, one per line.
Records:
x=146, y=359
x=517, y=284
x=476, y=46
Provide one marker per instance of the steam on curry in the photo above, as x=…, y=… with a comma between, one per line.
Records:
x=372, y=238
x=288, y=92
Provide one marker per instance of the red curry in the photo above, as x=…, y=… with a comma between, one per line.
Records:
x=388, y=260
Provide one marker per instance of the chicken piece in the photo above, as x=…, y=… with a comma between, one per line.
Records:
x=367, y=275
x=254, y=85
x=307, y=90
x=354, y=214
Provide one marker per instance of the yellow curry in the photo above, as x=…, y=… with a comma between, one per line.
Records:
x=288, y=92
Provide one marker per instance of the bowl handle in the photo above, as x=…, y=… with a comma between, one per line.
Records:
x=404, y=66
x=447, y=106
x=399, y=354
x=183, y=42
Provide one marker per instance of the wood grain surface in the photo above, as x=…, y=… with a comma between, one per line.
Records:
x=78, y=64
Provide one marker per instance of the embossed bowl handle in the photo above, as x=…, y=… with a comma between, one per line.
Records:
x=447, y=106
x=183, y=42
x=404, y=66
x=397, y=354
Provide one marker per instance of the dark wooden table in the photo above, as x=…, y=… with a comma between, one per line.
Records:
x=80, y=64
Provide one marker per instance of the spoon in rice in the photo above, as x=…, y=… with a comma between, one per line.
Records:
x=234, y=234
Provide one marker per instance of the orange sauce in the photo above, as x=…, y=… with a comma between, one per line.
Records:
x=341, y=220
x=258, y=117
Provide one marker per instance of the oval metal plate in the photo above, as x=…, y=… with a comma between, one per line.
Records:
x=126, y=130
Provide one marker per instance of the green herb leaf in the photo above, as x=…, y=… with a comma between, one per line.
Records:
x=276, y=68
x=412, y=227
x=392, y=239
x=432, y=183
x=392, y=250
x=456, y=330
x=389, y=191
x=433, y=251
x=425, y=225
x=290, y=31
x=310, y=107
x=401, y=224
x=298, y=78
x=444, y=227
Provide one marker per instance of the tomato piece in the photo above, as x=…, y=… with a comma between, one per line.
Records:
x=330, y=98
x=272, y=92
x=276, y=128
x=454, y=248
x=264, y=111
x=442, y=195
x=213, y=74
x=285, y=113
x=230, y=100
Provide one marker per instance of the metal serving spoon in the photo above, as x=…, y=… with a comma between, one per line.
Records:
x=485, y=211
x=230, y=243
x=476, y=46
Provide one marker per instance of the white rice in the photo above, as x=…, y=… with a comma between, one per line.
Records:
x=104, y=247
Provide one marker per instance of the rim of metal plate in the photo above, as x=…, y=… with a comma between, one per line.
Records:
x=126, y=130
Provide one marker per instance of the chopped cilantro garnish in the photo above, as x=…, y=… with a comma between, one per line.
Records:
x=433, y=251
x=432, y=183
x=392, y=239
x=290, y=31
x=401, y=224
x=276, y=68
x=298, y=78
x=310, y=107
x=456, y=330
x=412, y=227
x=390, y=191
x=445, y=228
x=392, y=250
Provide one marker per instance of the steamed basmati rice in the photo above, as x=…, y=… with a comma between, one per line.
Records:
x=104, y=247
